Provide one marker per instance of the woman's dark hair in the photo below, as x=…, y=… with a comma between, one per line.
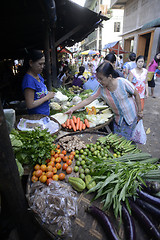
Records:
x=155, y=58
x=132, y=56
x=139, y=57
x=65, y=68
x=106, y=69
x=33, y=55
x=81, y=70
x=110, y=57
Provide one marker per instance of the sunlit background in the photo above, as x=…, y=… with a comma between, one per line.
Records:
x=80, y=2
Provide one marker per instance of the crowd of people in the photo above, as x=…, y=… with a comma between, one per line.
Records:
x=123, y=87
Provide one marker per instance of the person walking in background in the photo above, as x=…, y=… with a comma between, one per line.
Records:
x=112, y=59
x=152, y=66
x=130, y=65
x=120, y=95
x=138, y=77
x=64, y=76
x=95, y=62
x=92, y=82
x=79, y=79
x=36, y=95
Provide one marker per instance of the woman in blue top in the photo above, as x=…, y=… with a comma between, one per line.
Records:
x=35, y=91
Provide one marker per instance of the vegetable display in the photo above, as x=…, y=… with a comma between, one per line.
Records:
x=76, y=124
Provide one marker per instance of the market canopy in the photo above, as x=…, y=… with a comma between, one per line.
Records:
x=114, y=46
x=89, y=52
x=153, y=23
x=25, y=24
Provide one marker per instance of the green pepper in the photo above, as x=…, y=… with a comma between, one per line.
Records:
x=89, y=182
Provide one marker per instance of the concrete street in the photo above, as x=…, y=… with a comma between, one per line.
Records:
x=151, y=122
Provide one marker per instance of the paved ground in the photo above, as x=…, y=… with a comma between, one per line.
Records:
x=151, y=121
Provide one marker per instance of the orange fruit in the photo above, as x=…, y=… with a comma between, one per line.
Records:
x=37, y=167
x=58, y=159
x=49, y=168
x=69, y=162
x=55, y=177
x=71, y=157
x=43, y=178
x=38, y=173
x=43, y=167
x=51, y=163
x=65, y=165
x=34, y=179
x=73, y=153
x=34, y=173
x=65, y=158
x=64, y=152
x=54, y=170
x=49, y=174
x=52, y=152
x=61, y=176
x=58, y=146
x=49, y=180
x=68, y=170
x=58, y=165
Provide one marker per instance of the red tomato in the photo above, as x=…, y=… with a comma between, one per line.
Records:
x=68, y=170
x=69, y=162
x=65, y=165
x=64, y=152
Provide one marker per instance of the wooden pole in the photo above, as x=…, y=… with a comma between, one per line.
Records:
x=11, y=190
x=53, y=58
x=47, y=61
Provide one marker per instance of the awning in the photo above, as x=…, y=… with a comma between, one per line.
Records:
x=114, y=46
x=153, y=23
x=89, y=52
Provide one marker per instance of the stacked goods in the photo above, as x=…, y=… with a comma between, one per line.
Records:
x=76, y=124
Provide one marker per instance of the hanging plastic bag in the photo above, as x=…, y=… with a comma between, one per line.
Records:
x=139, y=135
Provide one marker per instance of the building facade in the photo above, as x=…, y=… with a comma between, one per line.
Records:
x=110, y=31
x=141, y=32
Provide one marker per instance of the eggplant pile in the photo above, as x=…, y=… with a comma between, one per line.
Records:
x=145, y=209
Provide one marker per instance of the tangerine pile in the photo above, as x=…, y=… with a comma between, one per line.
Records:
x=47, y=173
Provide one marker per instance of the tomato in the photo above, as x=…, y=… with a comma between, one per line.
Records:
x=37, y=167
x=53, y=159
x=51, y=163
x=68, y=170
x=54, y=170
x=64, y=152
x=48, y=160
x=58, y=159
x=73, y=153
x=49, y=180
x=61, y=176
x=58, y=165
x=61, y=155
x=58, y=151
x=56, y=155
x=58, y=146
x=43, y=178
x=38, y=173
x=49, y=174
x=71, y=157
x=49, y=168
x=52, y=152
x=65, y=158
x=34, y=173
x=34, y=179
x=69, y=162
x=55, y=177
x=65, y=165
x=43, y=167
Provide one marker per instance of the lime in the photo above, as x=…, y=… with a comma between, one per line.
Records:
x=108, y=146
x=83, y=162
x=80, y=159
x=76, y=168
x=77, y=151
x=87, y=145
x=81, y=170
x=81, y=151
x=92, y=149
x=115, y=155
x=98, y=143
x=84, y=166
x=86, y=150
x=83, y=157
x=87, y=171
x=76, y=156
x=82, y=175
x=85, y=153
x=99, y=147
x=91, y=171
x=78, y=163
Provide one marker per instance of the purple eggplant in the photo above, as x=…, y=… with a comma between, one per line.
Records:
x=129, y=226
x=149, y=198
x=148, y=207
x=151, y=187
x=104, y=221
x=144, y=221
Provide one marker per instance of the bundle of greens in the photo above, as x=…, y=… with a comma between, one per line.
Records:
x=31, y=147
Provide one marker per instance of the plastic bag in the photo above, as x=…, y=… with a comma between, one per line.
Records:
x=139, y=135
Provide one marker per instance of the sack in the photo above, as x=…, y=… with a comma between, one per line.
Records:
x=150, y=76
x=139, y=135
